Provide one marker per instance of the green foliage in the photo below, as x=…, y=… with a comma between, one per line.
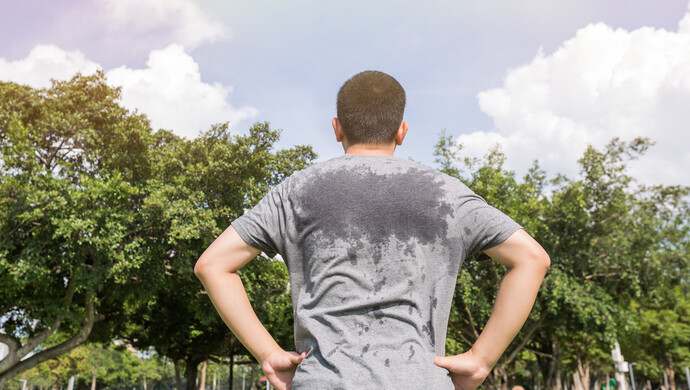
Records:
x=197, y=188
x=665, y=325
x=612, y=244
x=101, y=219
x=72, y=169
x=113, y=366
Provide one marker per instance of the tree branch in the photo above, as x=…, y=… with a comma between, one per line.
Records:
x=55, y=151
x=40, y=158
x=241, y=362
x=465, y=339
x=525, y=339
x=51, y=353
x=13, y=344
x=471, y=320
x=37, y=340
x=22, y=350
x=587, y=277
x=461, y=334
x=139, y=228
x=543, y=354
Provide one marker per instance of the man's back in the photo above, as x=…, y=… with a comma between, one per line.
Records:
x=373, y=245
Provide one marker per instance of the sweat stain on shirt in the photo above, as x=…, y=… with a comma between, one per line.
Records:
x=369, y=241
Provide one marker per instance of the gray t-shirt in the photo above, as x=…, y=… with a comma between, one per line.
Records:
x=373, y=245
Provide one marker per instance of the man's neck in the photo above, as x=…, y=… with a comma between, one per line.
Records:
x=372, y=150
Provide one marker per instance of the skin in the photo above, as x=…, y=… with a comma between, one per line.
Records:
x=525, y=259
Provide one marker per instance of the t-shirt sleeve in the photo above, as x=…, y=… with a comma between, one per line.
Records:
x=262, y=226
x=484, y=225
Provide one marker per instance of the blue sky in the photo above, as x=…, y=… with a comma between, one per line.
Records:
x=542, y=78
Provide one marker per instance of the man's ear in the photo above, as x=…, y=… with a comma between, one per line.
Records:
x=400, y=135
x=338, y=129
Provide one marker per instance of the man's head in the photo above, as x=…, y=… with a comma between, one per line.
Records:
x=370, y=108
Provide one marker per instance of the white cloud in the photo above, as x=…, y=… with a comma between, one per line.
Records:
x=43, y=63
x=169, y=90
x=172, y=95
x=162, y=21
x=603, y=83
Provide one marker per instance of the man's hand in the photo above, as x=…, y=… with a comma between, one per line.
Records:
x=280, y=367
x=217, y=270
x=527, y=263
x=466, y=371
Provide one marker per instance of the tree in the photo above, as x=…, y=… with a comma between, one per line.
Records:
x=72, y=166
x=666, y=346
x=605, y=233
x=479, y=280
x=101, y=217
x=197, y=188
x=610, y=242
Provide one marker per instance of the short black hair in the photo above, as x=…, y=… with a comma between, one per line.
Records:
x=370, y=107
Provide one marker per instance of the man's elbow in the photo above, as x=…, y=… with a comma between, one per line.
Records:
x=534, y=257
x=541, y=258
x=212, y=263
x=201, y=266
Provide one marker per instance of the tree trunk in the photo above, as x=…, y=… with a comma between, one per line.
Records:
x=190, y=373
x=583, y=370
x=550, y=375
x=93, y=379
x=203, y=376
x=548, y=364
x=178, y=378
x=144, y=384
x=670, y=373
x=558, y=385
x=608, y=381
x=232, y=366
x=491, y=381
x=252, y=375
x=497, y=379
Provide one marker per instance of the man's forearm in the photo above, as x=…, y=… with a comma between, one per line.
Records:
x=514, y=302
x=230, y=300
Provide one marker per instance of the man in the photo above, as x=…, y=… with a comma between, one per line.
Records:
x=373, y=244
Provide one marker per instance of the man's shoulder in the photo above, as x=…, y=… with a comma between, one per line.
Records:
x=369, y=163
x=349, y=166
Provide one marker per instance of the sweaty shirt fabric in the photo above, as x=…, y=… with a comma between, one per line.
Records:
x=373, y=245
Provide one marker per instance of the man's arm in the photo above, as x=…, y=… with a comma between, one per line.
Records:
x=527, y=263
x=217, y=269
